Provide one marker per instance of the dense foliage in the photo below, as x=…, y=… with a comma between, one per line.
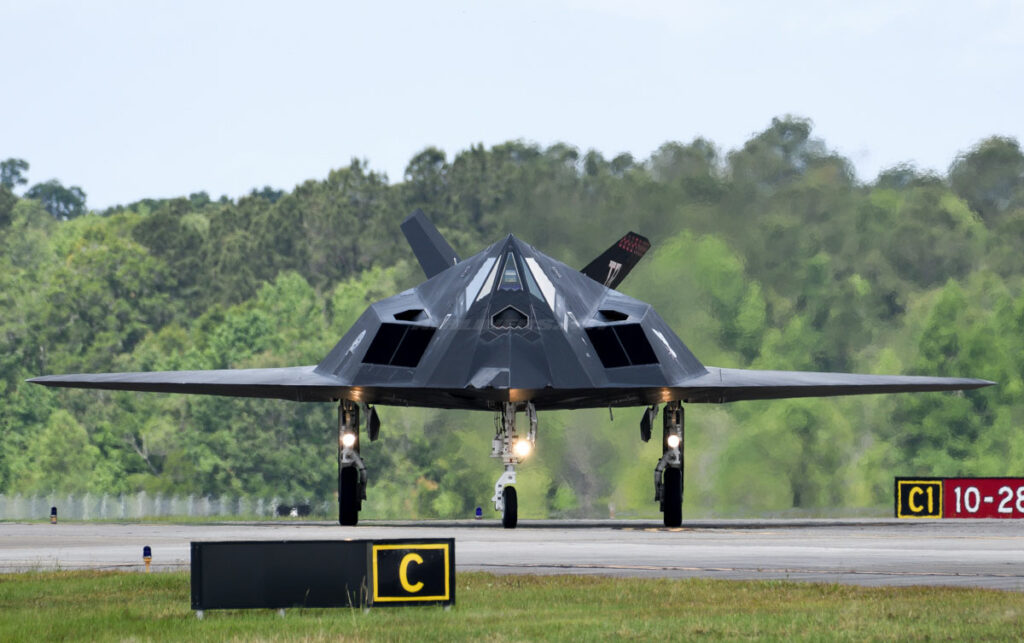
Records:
x=770, y=256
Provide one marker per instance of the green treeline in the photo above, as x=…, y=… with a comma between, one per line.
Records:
x=769, y=256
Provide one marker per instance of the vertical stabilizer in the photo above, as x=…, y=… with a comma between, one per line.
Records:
x=432, y=251
x=615, y=263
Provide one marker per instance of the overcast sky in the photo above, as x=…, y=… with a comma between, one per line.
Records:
x=158, y=99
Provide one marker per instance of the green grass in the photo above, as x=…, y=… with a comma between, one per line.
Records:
x=115, y=606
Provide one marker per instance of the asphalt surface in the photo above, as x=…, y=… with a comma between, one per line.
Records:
x=980, y=553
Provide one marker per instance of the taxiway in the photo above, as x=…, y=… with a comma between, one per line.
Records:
x=981, y=553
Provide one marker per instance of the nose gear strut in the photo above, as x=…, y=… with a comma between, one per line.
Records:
x=668, y=474
x=504, y=446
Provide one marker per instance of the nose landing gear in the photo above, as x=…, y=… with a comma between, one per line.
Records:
x=351, y=469
x=511, y=449
x=668, y=474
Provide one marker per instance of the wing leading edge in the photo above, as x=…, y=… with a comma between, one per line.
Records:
x=734, y=384
x=300, y=383
x=717, y=385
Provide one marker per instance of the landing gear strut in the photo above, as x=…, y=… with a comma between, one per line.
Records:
x=668, y=474
x=351, y=469
x=511, y=449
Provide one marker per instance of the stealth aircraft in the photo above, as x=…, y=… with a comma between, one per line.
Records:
x=510, y=330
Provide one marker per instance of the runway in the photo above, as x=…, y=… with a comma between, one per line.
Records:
x=980, y=553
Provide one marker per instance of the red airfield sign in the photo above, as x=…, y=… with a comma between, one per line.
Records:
x=959, y=497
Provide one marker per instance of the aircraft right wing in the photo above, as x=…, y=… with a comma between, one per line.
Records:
x=733, y=384
x=614, y=264
x=299, y=383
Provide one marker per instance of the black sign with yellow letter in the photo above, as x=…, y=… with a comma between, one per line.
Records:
x=413, y=572
x=919, y=497
x=322, y=573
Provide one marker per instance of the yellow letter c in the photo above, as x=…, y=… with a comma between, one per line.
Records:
x=916, y=508
x=403, y=573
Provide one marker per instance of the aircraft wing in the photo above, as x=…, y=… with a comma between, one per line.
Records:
x=298, y=383
x=732, y=384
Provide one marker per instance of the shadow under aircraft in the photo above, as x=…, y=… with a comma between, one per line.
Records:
x=510, y=330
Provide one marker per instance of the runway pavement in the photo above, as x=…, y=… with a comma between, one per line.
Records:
x=982, y=553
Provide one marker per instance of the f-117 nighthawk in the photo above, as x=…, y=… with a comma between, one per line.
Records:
x=510, y=330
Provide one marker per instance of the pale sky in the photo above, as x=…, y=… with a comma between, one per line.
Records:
x=158, y=99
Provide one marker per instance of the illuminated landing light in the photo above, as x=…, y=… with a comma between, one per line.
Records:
x=522, y=448
x=348, y=440
x=673, y=441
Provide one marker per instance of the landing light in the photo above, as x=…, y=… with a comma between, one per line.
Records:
x=522, y=448
x=348, y=440
x=673, y=441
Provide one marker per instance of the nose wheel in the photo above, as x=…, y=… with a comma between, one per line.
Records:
x=348, y=496
x=510, y=515
x=672, y=497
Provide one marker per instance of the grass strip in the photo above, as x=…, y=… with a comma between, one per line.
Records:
x=115, y=606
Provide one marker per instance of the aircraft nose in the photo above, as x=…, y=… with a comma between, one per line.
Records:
x=510, y=292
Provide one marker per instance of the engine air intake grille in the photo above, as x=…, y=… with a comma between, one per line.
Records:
x=413, y=314
x=622, y=345
x=399, y=345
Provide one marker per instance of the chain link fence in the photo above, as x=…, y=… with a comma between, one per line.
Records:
x=142, y=505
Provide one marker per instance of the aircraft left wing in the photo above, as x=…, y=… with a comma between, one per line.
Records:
x=300, y=383
x=733, y=384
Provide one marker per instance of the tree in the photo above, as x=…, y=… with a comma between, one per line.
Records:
x=777, y=155
x=61, y=458
x=268, y=193
x=622, y=163
x=106, y=294
x=990, y=177
x=904, y=176
x=425, y=178
x=176, y=235
x=694, y=166
x=11, y=173
x=63, y=203
x=7, y=201
x=199, y=199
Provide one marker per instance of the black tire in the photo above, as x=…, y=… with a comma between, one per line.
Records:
x=672, y=497
x=510, y=516
x=348, y=496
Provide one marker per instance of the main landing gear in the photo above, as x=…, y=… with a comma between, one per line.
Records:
x=511, y=449
x=351, y=469
x=668, y=474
